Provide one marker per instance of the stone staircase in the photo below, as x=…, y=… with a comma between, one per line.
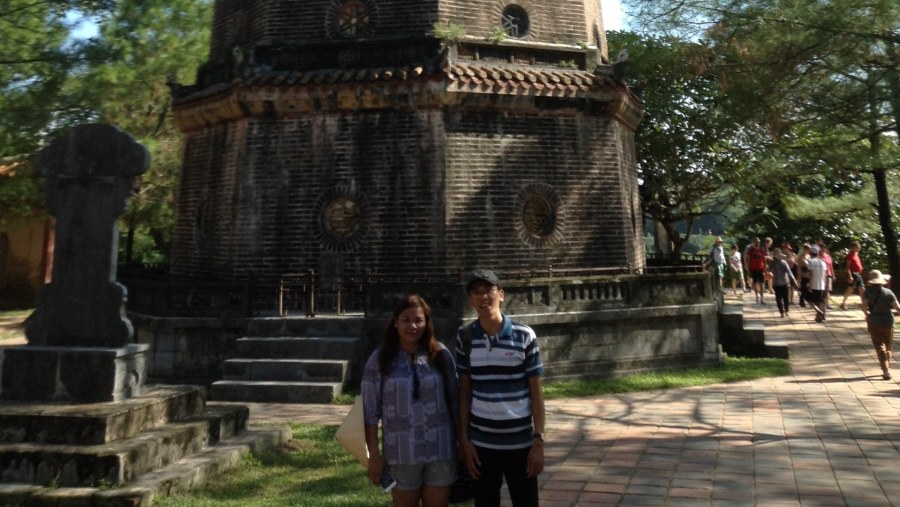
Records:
x=291, y=361
x=748, y=338
x=120, y=453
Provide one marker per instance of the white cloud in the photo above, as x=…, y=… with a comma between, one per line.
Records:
x=613, y=15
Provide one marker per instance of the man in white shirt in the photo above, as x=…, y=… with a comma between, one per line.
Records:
x=716, y=262
x=818, y=282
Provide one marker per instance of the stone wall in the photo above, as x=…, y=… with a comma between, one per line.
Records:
x=590, y=326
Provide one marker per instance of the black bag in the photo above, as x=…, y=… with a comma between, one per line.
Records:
x=463, y=489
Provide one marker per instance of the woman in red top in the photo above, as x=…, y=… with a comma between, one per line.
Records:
x=755, y=258
x=854, y=274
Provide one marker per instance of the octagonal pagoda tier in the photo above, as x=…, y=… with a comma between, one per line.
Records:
x=406, y=136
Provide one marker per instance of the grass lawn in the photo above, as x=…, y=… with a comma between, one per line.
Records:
x=314, y=470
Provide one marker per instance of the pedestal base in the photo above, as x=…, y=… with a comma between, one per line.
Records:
x=73, y=374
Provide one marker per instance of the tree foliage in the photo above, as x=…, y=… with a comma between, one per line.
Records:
x=148, y=43
x=690, y=155
x=36, y=58
x=822, y=79
x=52, y=81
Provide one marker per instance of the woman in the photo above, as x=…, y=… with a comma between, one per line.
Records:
x=409, y=383
x=736, y=269
x=803, y=259
x=788, y=251
x=782, y=278
x=878, y=304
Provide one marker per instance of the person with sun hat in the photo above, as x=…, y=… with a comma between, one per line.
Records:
x=879, y=304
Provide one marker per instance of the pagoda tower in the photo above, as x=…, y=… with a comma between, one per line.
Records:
x=406, y=136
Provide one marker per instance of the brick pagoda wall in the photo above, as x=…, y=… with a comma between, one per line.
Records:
x=299, y=22
x=551, y=20
x=253, y=192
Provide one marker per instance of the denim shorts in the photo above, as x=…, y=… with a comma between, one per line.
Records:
x=437, y=474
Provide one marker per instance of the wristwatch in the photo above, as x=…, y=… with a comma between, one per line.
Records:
x=539, y=436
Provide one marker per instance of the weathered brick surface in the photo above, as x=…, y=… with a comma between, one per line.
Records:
x=443, y=178
x=299, y=22
x=554, y=21
x=437, y=192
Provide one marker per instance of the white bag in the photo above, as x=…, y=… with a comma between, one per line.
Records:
x=352, y=433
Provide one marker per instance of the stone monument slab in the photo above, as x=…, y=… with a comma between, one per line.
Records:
x=79, y=340
x=89, y=174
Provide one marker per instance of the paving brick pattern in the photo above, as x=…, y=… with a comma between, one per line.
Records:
x=826, y=435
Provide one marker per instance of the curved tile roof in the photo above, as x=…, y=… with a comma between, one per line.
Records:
x=468, y=76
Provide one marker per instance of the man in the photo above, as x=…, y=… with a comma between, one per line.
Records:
x=501, y=406
x=818, y=281
x=716, y=263
x=854, y=274
x=755, y=261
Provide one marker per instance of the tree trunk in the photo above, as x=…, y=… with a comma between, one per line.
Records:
x=677, y=240
x=884, y=219
x=880, y=175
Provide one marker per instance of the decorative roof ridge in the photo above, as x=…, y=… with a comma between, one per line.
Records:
x=526, y=73
x=329, y=75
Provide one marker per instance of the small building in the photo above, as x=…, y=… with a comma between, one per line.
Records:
x=26, y=250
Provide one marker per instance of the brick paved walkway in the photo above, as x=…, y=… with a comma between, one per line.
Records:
x=826, y=435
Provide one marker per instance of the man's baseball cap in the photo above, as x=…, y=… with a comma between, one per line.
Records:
x=813, y=249
x=482, y=275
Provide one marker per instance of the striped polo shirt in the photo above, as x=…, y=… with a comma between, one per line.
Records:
x=499, y=368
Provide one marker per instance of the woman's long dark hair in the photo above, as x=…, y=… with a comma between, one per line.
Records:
x=390, y=347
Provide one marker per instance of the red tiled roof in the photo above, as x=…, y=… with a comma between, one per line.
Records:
x=334, y=76
x=526, y=78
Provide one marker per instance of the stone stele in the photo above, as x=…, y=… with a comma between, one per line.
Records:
x=79, y=340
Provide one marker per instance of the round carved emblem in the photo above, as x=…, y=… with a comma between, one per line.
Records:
x=354, y=18
x=538, y=215
x=541, y=221
x=341, y=218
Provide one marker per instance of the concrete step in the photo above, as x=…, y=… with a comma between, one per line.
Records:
x=225, y=422
x=754, y=332
x=275, y=392
x=116, y=463
x=296, y=347
x=97, y=423
x=303, y=370
x=119, y=462
x=187, y=473
x=777, y=346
